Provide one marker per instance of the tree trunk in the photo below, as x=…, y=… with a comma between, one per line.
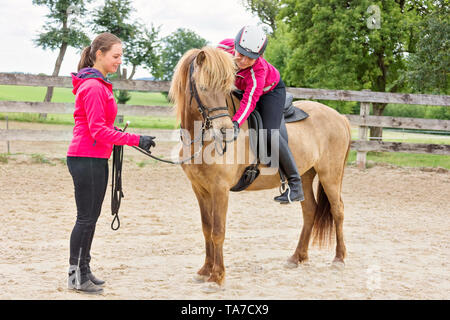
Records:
x=376, y=133
x=59, y=60
x=133, y=71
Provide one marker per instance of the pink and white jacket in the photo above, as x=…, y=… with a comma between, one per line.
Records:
x=255, y=81
x=95, y=111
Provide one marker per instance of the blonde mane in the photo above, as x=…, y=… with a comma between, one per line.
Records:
x=215, y=70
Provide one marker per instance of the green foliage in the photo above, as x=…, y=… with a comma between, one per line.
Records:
x=63, y=25
x=418, y=111
x=141, y=44
x=429, y=66
x=265, y=10
x=174, y=46
x=278, y=51
x=122, y=96
x=114, y=17
x=334, y=47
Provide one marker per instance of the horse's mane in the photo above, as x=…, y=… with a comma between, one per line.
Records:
x=215, y=71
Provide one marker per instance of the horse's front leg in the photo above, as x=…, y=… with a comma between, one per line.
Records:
x=205, y=204
x=220, y=207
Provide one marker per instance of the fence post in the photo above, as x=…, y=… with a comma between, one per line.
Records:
x=362, y=135
x=7, y=128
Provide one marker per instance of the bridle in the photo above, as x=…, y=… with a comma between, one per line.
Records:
x=205, y=113
x=206, y=123
x=204, y=110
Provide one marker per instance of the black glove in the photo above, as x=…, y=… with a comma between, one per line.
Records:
x=236, y=130
x=145, y=142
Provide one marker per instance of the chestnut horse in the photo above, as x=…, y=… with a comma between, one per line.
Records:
x=320, y=145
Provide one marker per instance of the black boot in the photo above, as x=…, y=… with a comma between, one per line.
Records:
x=294, y=191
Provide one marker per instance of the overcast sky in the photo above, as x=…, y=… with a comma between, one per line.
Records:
x=21, y=21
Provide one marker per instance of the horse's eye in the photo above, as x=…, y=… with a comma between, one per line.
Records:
x=203, y=88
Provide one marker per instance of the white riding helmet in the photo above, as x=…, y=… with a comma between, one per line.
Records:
x=251, y=41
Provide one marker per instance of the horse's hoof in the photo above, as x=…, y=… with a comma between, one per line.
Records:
x=290, y=264
x=198, y=278
x=338, y=264
x=212, y=287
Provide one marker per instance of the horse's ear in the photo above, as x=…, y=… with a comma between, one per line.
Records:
x=201, y=57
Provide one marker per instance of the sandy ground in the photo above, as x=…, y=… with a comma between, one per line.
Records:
x=396, y=230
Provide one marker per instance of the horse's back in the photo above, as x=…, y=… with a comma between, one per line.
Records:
x=325, y=134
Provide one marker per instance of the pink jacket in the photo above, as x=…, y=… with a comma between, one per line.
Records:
x=255, y=81
x=95, y=112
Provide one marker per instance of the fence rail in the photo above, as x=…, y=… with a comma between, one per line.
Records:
x=363, y=121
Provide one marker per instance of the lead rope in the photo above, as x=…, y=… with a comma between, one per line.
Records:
x=116, y=190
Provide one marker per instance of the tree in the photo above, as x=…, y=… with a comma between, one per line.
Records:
x=141, y=44
x=61, y=30
x=265, y=10
x=429, y=66
x=174, y=46
x=279, y=51
x=353, y=45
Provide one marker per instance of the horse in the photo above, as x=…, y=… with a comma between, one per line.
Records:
x=204, y=79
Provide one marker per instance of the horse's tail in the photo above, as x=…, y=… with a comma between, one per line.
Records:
x=323, y=227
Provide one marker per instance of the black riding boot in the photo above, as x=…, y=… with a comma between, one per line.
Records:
x=294, y=191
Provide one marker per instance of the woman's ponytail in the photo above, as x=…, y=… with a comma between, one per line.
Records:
x=86, y=60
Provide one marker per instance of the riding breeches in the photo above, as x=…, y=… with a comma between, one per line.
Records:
x=90, y=179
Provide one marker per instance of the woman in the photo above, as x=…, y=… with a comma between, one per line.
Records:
x=94, y=135
x=263, y=89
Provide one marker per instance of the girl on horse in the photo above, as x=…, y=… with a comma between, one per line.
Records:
x=94, y=135
x=264, y=90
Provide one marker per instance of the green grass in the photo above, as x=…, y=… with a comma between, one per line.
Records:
x=405, y=159
x=409, y=137
x=36, y=94
x=3, y=158
x=40, y=158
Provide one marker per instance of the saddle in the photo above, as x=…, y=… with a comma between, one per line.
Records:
x=255, y=126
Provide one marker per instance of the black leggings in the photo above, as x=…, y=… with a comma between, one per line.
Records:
x=270, y=106
x=90, y=179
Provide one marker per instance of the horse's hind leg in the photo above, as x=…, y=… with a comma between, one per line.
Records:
x=205, y=203
x=308, y=208
x=332, y=185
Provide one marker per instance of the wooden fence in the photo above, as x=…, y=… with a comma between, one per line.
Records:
x=363, y=120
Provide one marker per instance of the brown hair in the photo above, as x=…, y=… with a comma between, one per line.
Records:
x=102, y=42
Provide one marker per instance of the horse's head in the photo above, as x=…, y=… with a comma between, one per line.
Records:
x=202, y=81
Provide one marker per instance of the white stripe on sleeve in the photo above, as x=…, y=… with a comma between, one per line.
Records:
x=223, y=46
x=249, y=102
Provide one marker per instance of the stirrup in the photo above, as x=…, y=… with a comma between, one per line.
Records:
x=284, y=186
